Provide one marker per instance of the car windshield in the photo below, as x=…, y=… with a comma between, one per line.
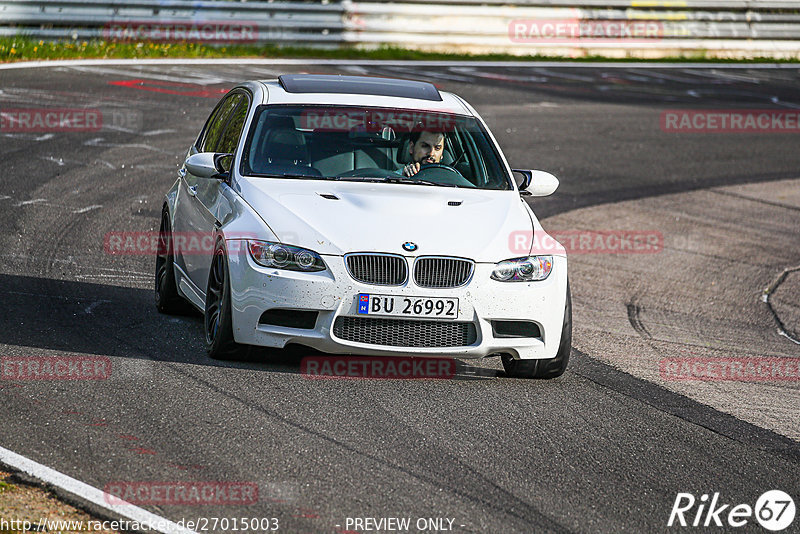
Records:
x=371, y=144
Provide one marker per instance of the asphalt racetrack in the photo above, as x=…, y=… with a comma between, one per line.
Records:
x=605, y=448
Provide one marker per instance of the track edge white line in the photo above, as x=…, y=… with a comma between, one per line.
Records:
x=86, y=494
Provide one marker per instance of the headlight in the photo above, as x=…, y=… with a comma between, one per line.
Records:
x=527, y=269
x=282, y=256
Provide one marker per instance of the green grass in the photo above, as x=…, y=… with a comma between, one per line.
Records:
x=26, y=49
x=5, y=486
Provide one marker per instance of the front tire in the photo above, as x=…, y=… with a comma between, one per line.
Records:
x=546, y=368
x=168, y=300
x=218, y=321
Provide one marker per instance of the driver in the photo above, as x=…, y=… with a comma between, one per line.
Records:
x=425, y=147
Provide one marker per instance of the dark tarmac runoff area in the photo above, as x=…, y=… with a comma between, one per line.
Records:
x=683, y=379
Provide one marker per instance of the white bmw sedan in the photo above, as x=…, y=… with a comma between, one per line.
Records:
x=361, y=215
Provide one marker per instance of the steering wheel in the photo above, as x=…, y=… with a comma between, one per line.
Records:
x=444, y=175
x=425, y=166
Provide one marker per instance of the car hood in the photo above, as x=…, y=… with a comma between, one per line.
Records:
x=340, y=217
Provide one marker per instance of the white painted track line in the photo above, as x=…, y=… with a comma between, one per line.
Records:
x=382, y=62
x=129, y=512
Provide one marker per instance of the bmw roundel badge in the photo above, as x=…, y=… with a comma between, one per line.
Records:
x=409, y=246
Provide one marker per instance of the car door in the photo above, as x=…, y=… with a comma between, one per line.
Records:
x=199, y=198
x=212, y=203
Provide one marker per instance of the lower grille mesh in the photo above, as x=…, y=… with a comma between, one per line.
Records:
x=404, y=333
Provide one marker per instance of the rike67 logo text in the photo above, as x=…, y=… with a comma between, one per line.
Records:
x=774, y=510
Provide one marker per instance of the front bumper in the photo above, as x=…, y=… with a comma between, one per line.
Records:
x=334, y=294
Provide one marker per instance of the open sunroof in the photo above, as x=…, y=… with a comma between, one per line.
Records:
x=359, y=85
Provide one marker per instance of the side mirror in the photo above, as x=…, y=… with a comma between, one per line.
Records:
x=536, y=183
x=209, y=165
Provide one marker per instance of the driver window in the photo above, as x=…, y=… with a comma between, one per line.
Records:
x=216, y=123
x=229, y=139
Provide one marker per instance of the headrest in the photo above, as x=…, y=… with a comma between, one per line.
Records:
x=279, y=122
x=285, y=137
x=285, y=145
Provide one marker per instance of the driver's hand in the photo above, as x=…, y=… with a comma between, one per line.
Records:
x=411, y=169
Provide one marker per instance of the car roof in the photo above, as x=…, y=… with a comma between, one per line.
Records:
x=359, y=91
x=360, y=85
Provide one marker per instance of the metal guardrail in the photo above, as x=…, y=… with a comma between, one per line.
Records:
x=282, y=22
x=572, y=27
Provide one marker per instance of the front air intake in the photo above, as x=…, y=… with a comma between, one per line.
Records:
x=305, y=319
x=405, y=333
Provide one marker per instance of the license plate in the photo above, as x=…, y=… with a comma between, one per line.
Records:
x=397, y=306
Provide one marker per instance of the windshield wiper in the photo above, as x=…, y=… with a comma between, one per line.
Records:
x=415, y=181
x=391, y=179
x=291, y=175
x=359, y=178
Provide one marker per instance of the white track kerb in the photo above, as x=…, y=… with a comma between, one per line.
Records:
x=85, y=492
